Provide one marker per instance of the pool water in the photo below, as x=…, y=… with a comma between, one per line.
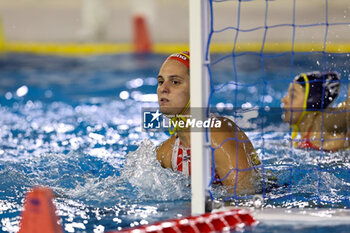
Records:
x=74, y=125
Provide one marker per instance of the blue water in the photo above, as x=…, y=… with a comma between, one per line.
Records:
x=74, y=124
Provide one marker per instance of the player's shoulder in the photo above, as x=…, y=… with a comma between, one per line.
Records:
x=228, y=132
x=227, y=126
x=164, y=152
x=167, y=145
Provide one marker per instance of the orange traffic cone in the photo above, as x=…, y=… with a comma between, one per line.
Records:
x=142, y=41
x=39, y=215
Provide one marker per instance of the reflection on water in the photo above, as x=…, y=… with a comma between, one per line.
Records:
x=79, y=152
x=103, y=169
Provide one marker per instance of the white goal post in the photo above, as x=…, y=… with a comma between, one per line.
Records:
x=200, y=152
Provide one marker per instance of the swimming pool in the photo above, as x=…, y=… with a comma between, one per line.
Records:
x=73, y=124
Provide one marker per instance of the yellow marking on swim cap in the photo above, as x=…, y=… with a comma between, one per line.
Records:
x=184, y=54
x=177, y=118
x=307, y=90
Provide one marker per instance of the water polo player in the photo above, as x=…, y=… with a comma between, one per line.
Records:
x=175, y=153
x=307, y=108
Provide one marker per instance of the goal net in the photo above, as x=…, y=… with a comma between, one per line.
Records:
x=248, y=52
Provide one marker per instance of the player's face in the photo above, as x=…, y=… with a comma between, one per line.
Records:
x=293, y=103
x=173, y=87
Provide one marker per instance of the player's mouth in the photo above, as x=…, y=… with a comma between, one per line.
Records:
x=163, y=100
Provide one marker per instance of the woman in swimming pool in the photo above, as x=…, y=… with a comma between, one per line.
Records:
x=232, y=156
x=307, y=109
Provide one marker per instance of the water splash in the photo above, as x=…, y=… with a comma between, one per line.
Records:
x=152, y=181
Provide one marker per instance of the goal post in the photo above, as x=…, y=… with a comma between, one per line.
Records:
x=200, y=152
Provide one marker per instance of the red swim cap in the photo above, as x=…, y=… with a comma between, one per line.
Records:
x=183, y=57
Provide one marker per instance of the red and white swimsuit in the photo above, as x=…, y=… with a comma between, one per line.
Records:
x=307, y=144
x=181, y=158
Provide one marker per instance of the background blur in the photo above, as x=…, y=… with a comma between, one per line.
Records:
x=112, y=20
x=73, y=123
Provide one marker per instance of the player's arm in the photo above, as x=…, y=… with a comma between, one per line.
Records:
x=337, y=119
x=159, y=152
x=164, y=152
x=231, y=154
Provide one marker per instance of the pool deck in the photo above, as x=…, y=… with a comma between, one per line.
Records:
x=86, y=21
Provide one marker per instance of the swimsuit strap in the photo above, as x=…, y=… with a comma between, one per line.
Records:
x=307, y=136
x=306, y=143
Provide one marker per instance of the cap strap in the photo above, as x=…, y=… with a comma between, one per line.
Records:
x=307, y=90
x=178, y=117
